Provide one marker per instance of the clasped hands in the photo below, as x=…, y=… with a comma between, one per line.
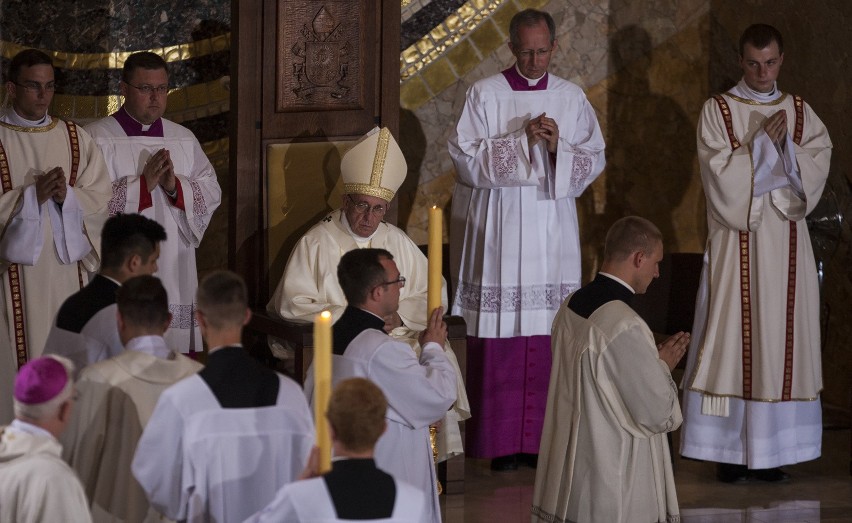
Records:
x=543, y=128
x=776, y=127
x=51, y=184
x=673, y=349
x=159, y=170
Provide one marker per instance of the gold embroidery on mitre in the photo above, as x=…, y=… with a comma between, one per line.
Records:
x=374, y=169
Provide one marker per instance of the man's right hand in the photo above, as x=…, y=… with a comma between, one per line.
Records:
x=673, y=349
x=436, y=329
x=156, y=166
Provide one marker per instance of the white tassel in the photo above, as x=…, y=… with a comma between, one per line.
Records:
x=714, y=405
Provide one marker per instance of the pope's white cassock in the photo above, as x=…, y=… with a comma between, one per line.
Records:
x=309, y=501
x=46, y=251
x=126, y=146
x=199, y=462
x=309, y=286
x=419, y=391
x=604, y=453
x=116, y=399
x=36, y=486
x=514, y=235
x=754, y=374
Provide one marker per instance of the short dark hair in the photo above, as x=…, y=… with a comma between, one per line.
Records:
x=760, y=36
x=628, y=235
x=530, y=17
x=359, y=271
x=26, y=58
x=356, y=411
x=143, y=301
x=124, y=235
x=222, y=298
x=143, y=60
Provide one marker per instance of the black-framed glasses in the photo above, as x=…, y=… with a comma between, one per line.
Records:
x=148, y=90
x=399, y=281
x=35, y=87
x=364, y=208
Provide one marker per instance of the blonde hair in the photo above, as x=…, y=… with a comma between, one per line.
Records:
x=628, y=235
x=356, y=412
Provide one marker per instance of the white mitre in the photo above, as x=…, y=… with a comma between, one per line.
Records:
x=374, y=166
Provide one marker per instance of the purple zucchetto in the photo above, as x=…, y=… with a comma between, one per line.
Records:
x=40, y=380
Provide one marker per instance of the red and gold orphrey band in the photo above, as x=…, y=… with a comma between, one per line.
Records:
x=745, y=283
x=72, y=177
x=789, y=343
x=13, y=271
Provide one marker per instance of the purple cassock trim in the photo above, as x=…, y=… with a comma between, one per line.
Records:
x=519, y=83
x=133, y=128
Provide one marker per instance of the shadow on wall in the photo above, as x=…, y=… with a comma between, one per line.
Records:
x=650, y=142
x=303, y=187
x=412, y=141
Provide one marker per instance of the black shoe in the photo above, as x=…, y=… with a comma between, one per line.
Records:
x=728, y=473
x=504, y=463
x=770, y=475
x=530, y=460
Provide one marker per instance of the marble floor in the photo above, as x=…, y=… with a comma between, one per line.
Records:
x=818, y=491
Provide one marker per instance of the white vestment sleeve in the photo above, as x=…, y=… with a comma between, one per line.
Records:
x=429, y=384
x=201, y=197
x=729, y=194
x=23, y=240
x=580, y=157
x=158, y=463
x=489, y=162
x=639, y=385
x=63, y=500
x=69, y=236
x=302, y=291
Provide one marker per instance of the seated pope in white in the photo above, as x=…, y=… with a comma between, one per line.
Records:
x=372, y=171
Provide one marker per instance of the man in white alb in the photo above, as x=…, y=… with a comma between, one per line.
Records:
x=159, y=170
x=611, y=401
x=221, y=443
x=526, y=144
x=355, y=488
x=754, y=373
x=419, y=388
x=52, y=207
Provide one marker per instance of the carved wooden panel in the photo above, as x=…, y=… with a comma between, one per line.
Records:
x=302, y=72
x=318, y=56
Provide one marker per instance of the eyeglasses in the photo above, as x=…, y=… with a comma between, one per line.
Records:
x=400, y=281
x=540, y=53
x=35, y=87
x=147, y=90
x=364, y=208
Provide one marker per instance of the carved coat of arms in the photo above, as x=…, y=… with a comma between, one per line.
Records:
x=322, y=63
